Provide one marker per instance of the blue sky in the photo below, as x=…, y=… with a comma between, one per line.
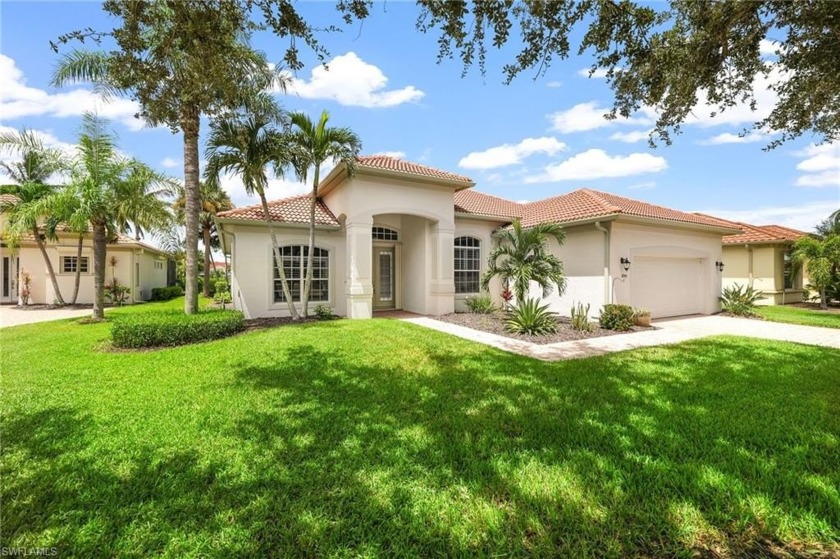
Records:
x=525, y=141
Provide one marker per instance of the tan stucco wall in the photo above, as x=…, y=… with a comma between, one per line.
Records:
x=767, y=272
x=252, y=269
x=582, y=255
x=41, y=288
x=631, y=240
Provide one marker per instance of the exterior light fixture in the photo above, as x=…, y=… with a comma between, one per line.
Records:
x=719, y=265
x=625, y=264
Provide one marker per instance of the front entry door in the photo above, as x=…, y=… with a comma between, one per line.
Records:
x=384, y=292
x=9, y=288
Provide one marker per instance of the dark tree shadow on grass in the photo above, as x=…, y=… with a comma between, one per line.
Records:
x=452, y=449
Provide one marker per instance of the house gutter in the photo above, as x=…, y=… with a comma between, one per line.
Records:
x=607, y=290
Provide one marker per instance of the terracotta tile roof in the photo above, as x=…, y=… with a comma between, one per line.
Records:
x=287, y=210
x=588, y=204
x=388, y=163
x=474, y=202
x=760, y=234
x=7, y=198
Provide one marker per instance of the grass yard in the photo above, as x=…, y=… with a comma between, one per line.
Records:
x=379, y=438
x=799, y=315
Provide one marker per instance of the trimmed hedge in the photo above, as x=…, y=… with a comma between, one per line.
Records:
x=617, y=317
x=174, y=328
x=166, y=293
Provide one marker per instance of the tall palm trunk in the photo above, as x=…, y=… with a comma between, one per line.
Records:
x=278, y=259
x=99, y=270
x=206, y=234
x=50, y=269
x=78, y=277
x=307, y=285
x=190, y=125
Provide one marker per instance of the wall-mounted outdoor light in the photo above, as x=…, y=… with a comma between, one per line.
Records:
x=625, y=264
x=719, y=265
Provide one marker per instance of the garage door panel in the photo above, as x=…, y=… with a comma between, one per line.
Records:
x=667, y=286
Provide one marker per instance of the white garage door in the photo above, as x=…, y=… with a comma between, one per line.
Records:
x=667, y=286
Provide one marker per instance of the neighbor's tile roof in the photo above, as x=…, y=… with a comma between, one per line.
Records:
x=7, y=198
x=588, y=204
x=762, y=234
x=388, y=163
x=474, y=202
x=286, y=210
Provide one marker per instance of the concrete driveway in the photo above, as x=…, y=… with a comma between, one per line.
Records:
x=11, y=315
x=666, y=332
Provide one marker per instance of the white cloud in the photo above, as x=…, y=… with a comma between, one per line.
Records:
x=554, y=84
x=394, y=154
x=170, y=163
x=19, y=100
x=509, y=154
x=352, y=82
x=768, y=47
x=802, y=216
x=821, y=165
x=277, y=188
x=729, y=138
x=649, y=185
x=599, y=73
x=631, y=137
x=589, y=116
x=597, y=164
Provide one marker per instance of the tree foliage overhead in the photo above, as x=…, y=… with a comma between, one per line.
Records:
x=669, y=56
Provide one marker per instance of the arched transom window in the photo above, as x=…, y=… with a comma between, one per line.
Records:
x=467, y=265
x=384, y=234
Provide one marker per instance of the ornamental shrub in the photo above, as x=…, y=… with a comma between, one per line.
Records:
x=580, y=318
x=740, y=300
x=174, y=328
x=167, y=293
x=617, y=317
x=480, y=304
x=531, y=318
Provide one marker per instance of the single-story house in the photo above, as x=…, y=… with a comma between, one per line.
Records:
x=400, y=235
x=760, y=257
x=134, y=264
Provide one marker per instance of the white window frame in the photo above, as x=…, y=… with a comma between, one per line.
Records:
x=276, y=294
x=468, y=254
x=73, y=259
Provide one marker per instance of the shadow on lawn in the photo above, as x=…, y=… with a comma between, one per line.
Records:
x=459, y=450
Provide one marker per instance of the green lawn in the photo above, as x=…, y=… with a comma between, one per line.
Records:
x=379, y=438
x=799, y=315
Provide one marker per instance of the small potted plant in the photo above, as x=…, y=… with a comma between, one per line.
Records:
x=641, y=317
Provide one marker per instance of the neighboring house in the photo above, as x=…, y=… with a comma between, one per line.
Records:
x=138, y=266
x=399, y=235
x=760, y=256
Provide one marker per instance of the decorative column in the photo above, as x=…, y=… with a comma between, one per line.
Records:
x=359, y=284
x=441, y=299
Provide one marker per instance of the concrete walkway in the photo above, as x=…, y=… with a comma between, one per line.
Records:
x=13, y=316
x=666, y=332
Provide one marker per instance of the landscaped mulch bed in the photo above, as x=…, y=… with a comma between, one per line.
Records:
x=494, y=324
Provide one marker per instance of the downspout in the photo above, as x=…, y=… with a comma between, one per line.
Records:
x=607, y=283
x=749, y=264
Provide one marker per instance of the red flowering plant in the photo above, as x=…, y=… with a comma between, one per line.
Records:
x=507, y=296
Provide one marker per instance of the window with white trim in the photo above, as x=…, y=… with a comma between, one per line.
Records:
x=70, y=263
x=294, y=264
x=384, y=234
x=790, y=276
x=467, y=265
x=158, y=265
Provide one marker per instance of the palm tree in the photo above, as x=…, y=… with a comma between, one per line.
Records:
x=37, y=164
x=213, y=200
x=99, y=177
x=314, y=144
x=822, y=257
x=247, y=146
x=521, y=256
x=141, y=203
x=179, y=61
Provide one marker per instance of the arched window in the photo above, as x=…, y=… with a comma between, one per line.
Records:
x=467, y=265
x=294, y=265
x=384, y=234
